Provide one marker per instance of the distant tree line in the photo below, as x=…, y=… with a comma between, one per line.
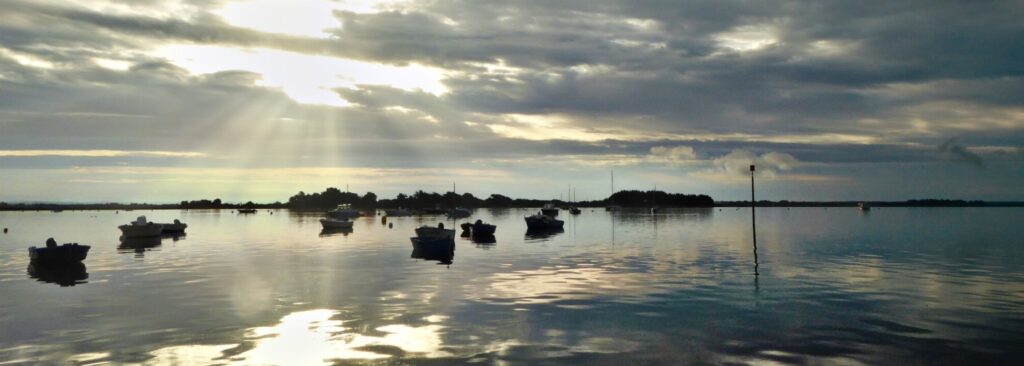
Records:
x=659, y=198
x=330, y=198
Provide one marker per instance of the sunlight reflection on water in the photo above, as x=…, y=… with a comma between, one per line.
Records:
x=309, y=337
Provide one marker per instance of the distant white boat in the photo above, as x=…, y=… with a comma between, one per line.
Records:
x=140, y=228
x=336, y=223
x=864, y=206
x=344, y=212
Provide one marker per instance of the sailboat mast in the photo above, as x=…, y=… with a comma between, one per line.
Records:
x=613, y=182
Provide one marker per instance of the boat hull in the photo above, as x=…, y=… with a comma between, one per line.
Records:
x=483, y=229
x=67, y=253
x=438, y=249
x=534, y=222
x=335, y=224
x=141, y=231
x=428, y=232
x=174, y=228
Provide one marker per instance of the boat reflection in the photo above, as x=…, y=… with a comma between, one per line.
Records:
x=138, y=245
x=432, y=252
x=335, y=231
x=484, y=239
x=536, y=234
x=174, y=236
x=65, y=274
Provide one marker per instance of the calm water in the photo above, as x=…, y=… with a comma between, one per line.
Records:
x=895, y=286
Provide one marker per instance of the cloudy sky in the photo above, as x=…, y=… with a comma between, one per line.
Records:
x=160, y=101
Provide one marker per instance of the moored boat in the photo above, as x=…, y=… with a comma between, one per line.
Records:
x=435, y=232
x=247, y=210
x=541, y=221
x=54, y=254
x=481, y=228
x=434, y=243
x=174, y=227
x=343, y=212
x=574, y=210
x=140, y=228
x=864, y=206
x=336, y=223
x=549, y=210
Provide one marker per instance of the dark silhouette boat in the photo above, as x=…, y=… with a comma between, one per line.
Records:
x=247, y=210
x=543, y=233
x=54, y=254
x=481, y=228
x=541, y=222
x=434, y=243
x=175, y=227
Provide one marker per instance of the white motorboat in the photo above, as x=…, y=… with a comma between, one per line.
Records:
x=140, y=228
x=864, y=206
x=336, y=223
x=344, y=212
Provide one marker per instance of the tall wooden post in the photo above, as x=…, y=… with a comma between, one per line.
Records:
x=753, y=217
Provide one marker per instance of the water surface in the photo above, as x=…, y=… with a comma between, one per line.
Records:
x=893, y=286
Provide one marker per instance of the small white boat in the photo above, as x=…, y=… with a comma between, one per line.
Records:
x=175, y=227
x=336, y=223
x=395, y=212
x=140, y=228
x=864, y=206
x=344, y=212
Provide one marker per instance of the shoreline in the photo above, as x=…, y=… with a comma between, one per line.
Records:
x=736, y=204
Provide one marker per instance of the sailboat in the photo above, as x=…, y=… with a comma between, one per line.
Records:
x=612, y=207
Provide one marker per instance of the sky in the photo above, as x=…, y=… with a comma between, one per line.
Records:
x=162, y=101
